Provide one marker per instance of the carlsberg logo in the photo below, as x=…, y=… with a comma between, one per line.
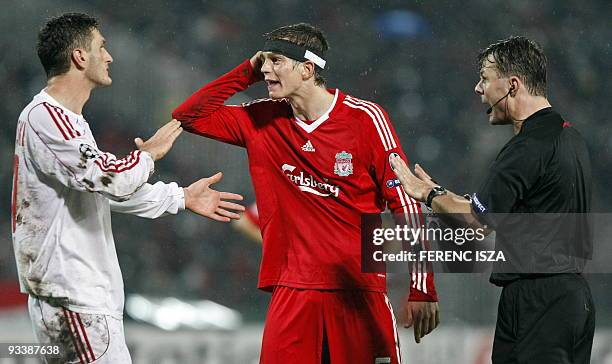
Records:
x=308, y=183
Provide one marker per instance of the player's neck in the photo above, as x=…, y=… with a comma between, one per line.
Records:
x=528, y=106
x=71, y=91
x=311, y=103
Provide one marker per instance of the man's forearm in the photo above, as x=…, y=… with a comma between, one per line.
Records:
x=451, y=203
x=209, y=98
x=457, y=208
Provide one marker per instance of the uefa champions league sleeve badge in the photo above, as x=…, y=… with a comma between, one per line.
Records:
x=344, y=164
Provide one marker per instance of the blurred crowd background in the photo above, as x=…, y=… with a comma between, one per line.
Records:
x=415, y=58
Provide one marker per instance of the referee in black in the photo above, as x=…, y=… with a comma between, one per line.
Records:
x=546, y=312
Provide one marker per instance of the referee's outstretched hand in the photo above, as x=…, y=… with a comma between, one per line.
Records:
x=418, y=184
x=424, y=316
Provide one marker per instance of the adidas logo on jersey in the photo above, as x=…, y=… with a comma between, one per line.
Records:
x=308, y=147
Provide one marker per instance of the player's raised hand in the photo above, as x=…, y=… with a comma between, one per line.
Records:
x=416, y=186
x=424, y=316
x=161, y=142
x=256, y=62
x=205, y=201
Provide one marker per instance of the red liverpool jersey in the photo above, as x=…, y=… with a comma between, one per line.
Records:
x=312, y=181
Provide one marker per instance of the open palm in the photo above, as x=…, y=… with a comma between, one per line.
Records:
x=205, y=201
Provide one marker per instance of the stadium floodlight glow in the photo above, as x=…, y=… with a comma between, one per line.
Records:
x=139, y=307
x=171, y=313
x=167, y=318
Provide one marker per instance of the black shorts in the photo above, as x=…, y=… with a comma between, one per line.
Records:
x=545, y=320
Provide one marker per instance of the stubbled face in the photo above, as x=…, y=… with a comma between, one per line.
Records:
x=98, y=61
x=491, y=89
x=282, y=75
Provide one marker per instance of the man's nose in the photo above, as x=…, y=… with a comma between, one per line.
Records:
x=109, y=58
x=265, y=66
x=478, y=88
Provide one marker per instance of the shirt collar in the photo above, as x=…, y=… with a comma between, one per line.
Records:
x=529, y=122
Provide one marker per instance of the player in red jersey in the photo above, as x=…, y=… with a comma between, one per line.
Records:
x=319, y=159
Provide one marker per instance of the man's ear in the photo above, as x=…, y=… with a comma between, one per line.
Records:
x=79, y=58
x=515, y=85
x=308, y=69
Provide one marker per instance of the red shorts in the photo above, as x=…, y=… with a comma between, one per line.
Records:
x=306, y=326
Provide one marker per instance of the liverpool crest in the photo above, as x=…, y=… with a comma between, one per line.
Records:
x=344, y=164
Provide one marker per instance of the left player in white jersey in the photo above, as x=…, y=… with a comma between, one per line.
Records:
x=64, y=189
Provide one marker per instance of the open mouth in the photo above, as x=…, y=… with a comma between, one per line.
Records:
x=272, y=83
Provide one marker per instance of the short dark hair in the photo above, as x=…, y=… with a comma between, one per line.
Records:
x=305, y=35
x=521, y=57
x=60, y=36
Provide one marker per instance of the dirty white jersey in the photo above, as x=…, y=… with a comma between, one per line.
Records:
x=64, y=189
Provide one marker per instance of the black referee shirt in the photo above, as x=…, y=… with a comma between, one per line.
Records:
x=543, y=169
